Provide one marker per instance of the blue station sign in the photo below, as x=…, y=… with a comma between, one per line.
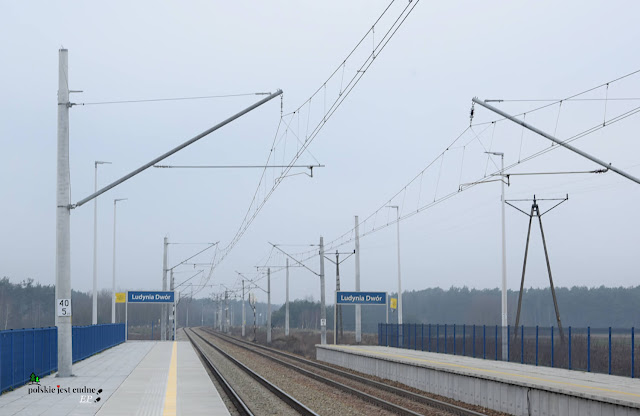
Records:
x=361, y=298
x=150, y=297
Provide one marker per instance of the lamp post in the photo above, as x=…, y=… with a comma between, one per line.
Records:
x=94, y=314
x=399, y=275
x=113, y=283
x=505, y=349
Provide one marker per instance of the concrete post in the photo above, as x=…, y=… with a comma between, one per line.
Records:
x=113, y=279
x=399, y=275
x=505, y=349
x=226, y=311
x=358, y=307
x=163, y=318
x=94, y=308
x=243, y=311
x=323, y=310
x=175, y=309
x=63, y=218
x=286, y=310
x=269, y=305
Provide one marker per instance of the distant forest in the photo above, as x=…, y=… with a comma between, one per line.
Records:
x=28, y=305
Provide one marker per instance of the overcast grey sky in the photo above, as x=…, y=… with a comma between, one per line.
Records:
x=408, y=107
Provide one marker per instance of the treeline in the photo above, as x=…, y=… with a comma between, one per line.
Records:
x=32, y=305
x=579, y=307
x=28, y=304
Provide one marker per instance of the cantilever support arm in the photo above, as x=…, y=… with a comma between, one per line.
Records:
x=557, y=141
x=176, y=149
x=294, y=259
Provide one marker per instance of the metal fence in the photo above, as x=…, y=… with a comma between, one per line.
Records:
x=91, y=339
x=35, y=350
x=600, y=350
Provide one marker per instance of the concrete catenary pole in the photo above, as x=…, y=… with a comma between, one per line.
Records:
x=505, y=336
x=94, y=309
x=175, y=309
x=226, y=311
x=399, y=275
x=286, y=309
x=113, y=266
x=163, y=318
x=94, y=300
x=323, y=310
x=503, y=298
x=358, y=309
x=244, y=321
x=63, y=218
x=269, y=305
x=113, y=269
x=219, y=304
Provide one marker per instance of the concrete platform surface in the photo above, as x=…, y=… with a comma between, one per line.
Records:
x=134, y=378
x=620, y=392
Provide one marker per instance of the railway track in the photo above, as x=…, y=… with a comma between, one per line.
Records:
x=242, y=407
x=391, y=398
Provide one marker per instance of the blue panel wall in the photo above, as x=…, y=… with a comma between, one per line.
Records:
x=35, y=350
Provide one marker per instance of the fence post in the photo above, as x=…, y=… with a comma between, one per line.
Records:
x=445, y=338
x=521, y=344
x=609, y=350
x=408, y=344
x=415, y=337
x=398, y=335
x=508, y=343
x=536, y=345
x=50, y=369
x=454, y=339
x=34, y=351
x=496, y=342
x=569, y=348
x=429, y=337
x=474, y=340
x=24, y=338
x=464, y=340
x=386, y=334
x=552, y=346
x=422, y=338
x=437, y=337
x=632, y=351
x=588, y=349
x=484, y=342
x=12, y=360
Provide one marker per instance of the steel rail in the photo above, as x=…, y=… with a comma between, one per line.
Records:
x=290, y=400
x=238, y=403
x=382, y=386
x=347, y=389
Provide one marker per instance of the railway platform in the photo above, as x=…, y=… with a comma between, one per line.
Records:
x=134, y=378
x=507, y=387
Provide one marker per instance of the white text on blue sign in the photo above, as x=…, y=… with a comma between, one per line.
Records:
x=150, y=297
x=362, y=298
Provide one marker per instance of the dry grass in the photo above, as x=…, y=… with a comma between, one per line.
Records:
x=301, y=342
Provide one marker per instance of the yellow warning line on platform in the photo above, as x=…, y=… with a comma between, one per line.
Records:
x=486, y=370
x=172, y=384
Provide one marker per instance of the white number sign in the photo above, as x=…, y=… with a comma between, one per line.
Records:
x=64, y=307
x=323, y=322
